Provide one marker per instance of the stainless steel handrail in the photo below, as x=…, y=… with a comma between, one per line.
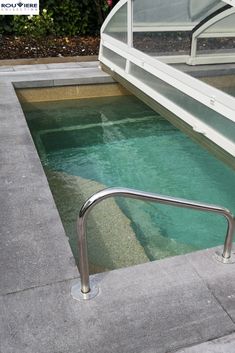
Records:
x=86, y=292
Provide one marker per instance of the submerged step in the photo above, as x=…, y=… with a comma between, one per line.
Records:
x=109, y=246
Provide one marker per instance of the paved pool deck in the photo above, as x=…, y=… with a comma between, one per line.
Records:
x=184, y=304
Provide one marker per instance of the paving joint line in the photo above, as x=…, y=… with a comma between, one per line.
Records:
x=212, y=292
x=39, y=286
x=176, y=350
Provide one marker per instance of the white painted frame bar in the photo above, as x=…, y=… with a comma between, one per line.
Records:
x=163, y=27
x=230, y=2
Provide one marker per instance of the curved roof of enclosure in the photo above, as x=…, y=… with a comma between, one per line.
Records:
x=139, y=39
x=173, y=13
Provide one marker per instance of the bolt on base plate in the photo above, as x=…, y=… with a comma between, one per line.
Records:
x=77, y=294
x=220, y=258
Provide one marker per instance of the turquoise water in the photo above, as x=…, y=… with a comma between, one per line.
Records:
x=119, y=141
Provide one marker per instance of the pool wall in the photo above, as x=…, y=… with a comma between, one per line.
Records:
x=30, y=95
x=181, y=304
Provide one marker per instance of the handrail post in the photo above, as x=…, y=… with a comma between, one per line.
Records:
x=83, y=257
x=228, y=243
x=83, y=290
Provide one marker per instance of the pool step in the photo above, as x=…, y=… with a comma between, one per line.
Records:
x=109, y=247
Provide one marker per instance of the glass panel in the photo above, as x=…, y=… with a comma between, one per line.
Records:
x=163, y=43
x=218, y=38
x=226, y=26
x=208, y=46
x=117, y=26
x=218, y=122
x=114, y=58
x=164, y=27
x=202, y=8
x=225, y=83
x=173, y=12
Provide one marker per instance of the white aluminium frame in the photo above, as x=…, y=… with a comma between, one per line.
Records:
x=211, y=97
x=230, y=2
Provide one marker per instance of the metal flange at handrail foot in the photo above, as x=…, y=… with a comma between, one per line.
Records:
x=77, y=293
x=219, y=257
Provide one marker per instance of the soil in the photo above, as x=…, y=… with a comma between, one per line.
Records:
x=13, y=47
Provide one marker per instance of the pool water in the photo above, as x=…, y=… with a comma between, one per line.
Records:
x=119, y=141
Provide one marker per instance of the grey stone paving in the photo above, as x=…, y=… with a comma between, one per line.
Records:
x=182, y=304
x=222, y=345
x=33, y=247
x=218, y=279
x=152, y=308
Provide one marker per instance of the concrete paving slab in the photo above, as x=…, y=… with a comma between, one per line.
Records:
x=83, y=80
x=83, y=72
x=222, y=345
x=6, y=68
x=6, y=102
x=9, y=116
x=34, y=249
x=3, y=84
x=65, y=66
x=33, y=245
x=33, y=84
x=88, y=64
x=218, y=277
x=57, y=77
x=16, y=76
x=62, y=59
x=44, y=74
x=33, y=75
x=63, y=82
x=19, y=162
x=26, y=68
x=155, y=307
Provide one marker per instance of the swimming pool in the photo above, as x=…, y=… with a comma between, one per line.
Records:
x=89, y=144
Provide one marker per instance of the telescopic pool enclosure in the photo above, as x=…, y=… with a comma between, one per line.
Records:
x=147, y=43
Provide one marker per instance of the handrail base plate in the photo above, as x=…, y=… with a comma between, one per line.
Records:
x=77, y=294
x=220, y=258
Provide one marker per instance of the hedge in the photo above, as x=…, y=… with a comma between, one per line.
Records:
x=67, y=17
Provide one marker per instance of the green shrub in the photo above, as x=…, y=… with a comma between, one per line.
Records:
x=6, y=24
x=67, y=17
x=35, y=26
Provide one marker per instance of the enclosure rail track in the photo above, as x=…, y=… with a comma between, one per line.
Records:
x=83, y=290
